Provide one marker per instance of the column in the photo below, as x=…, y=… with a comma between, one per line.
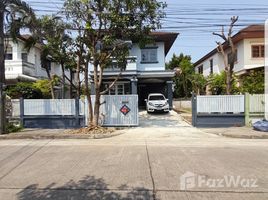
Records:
x=170, y=93
x=134, y=83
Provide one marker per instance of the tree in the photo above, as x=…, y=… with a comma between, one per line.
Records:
x=186, y=79
x=217, y=84
x=106, y=26
x=230, y=58
x=199, y=83
x=253, y=82
x=59, y=44
x=16, y=14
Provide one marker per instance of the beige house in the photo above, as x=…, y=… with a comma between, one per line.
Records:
x=250, y=53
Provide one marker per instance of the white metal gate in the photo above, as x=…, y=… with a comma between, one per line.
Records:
x=115, y=110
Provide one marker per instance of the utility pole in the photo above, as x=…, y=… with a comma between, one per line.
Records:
x=2, y=71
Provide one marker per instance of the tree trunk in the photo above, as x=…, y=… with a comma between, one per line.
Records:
x=63, y=81
x=90, y=110
x=96, y=115
x=2, y=72
x=95, y=121
x=228, y=83
x=71, y=84
x=50, y=84
x=78, y=76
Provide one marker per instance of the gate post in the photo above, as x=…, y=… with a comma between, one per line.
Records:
x=194, y=109
x=22, y=111
x=247, y=109
x=77, y=112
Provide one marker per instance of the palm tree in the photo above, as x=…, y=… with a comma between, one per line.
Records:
x=14, y=14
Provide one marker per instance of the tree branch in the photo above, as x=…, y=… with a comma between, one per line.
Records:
x=112, y=84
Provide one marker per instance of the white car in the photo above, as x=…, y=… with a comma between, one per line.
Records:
x=157, y=102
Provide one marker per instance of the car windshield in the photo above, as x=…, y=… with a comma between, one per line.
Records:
x=155, y=98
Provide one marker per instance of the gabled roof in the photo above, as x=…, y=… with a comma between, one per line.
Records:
x=252, y=31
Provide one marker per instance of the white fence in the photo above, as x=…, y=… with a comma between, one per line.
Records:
x=257, y=103
x=111, y=110
x=49, y=107
x=221, y=104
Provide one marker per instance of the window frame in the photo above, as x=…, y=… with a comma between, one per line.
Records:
x=115, y=88
x=200, y=69
x=149, y=60
x=260, y=48
x=211, y=63
x=7, y=56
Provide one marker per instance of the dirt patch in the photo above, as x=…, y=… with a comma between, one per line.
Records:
x=92, y=131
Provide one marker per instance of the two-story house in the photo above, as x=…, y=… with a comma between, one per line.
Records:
x=147, y=73
x=249, y=43
x=24, y=65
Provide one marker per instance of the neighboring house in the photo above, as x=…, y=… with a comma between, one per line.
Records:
x=250, y=53
x=23, y=65
x=147, y=73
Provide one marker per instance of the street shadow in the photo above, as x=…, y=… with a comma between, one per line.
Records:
x=88, y=188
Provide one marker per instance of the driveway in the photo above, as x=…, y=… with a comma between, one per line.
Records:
x=146, y=162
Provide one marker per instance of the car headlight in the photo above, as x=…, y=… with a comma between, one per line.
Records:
x=151, y=104
x=166, y=103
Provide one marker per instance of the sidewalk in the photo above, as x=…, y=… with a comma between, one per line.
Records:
x=237, y=132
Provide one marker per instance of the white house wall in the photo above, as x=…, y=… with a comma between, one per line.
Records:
x=244, y=58
x=136, y=51
x=251, y=62
x=14, y=66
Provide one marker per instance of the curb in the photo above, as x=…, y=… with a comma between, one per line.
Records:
x=60, y=136
x=241, y=136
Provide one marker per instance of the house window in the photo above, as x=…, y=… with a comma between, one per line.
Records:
x=257, y=51
x=229, y=57
x=211, y=66
x=200, y=69
x=149, y=55
x=24, y=57
x=117, y=89
x=9, y=56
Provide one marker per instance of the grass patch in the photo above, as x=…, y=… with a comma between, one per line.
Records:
x=12, y=128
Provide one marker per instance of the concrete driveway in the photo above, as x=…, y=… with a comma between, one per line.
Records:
x=146, y=162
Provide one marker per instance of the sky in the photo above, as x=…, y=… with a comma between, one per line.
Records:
x=194, y=20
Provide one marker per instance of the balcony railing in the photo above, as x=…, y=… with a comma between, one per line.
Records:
x=131, y=65
x=19, y=67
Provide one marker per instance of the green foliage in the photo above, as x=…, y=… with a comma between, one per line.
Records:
x=12, y=128
x=253, y=82
x=44, y=87
x=25, y=90
x=103, y=26
x=176, y=60
x=199, y=83
x=186, y=79
x=217, y=84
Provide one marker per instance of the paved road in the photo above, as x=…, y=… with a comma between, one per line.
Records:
x=143, y=163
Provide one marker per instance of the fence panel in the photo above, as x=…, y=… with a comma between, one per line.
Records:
x=257, y=103
x=220, y=104
x=110, y=114
x=49, y=107
x=112, y=110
